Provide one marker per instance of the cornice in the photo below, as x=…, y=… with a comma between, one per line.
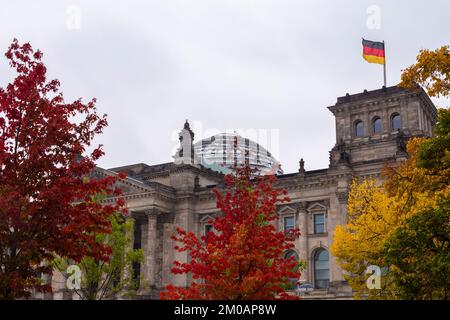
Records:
x=128, y=181
x=145, y=195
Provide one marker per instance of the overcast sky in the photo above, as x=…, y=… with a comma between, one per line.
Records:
x=236, y=64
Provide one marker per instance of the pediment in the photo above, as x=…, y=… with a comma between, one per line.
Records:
x=287, y=210
x=206, y=218
x=127, y=185
x=317, y=207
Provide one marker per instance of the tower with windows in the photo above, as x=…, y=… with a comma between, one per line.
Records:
x=373, y=126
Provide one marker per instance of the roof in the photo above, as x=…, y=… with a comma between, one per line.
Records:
x=377, y=93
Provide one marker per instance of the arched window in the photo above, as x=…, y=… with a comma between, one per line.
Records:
x=395, y=121
x=291, y=254
x=359, y=128
x=376, y=125
x=321, y=269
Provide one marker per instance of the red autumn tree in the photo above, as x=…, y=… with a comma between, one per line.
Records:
x=47, y=203
x=243, y=258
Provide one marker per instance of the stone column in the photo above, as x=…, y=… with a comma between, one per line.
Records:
x=336, y=273
x=385, y=119
x=367, y=124
x=405, y=116
x=149, y=243
x=184, y=219
x=129, y=236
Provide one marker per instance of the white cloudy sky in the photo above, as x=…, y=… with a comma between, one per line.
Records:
x=235, y=64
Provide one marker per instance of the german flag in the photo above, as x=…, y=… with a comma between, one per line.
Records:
x=373, y=52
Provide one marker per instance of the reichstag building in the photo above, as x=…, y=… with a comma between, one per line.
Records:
x=372, y=128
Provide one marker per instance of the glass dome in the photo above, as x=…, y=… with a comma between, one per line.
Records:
x=220, y=152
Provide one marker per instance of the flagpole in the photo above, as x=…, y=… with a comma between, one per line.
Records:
x=384, y=65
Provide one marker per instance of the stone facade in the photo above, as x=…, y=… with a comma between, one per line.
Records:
x=179, y=194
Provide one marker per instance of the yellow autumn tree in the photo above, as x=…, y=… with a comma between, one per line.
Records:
x=431, y=71
x=358, y=244
x=375, y=211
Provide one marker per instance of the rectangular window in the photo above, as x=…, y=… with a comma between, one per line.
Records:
x=289, y=223
x=319, y=223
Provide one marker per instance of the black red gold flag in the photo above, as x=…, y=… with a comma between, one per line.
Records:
x=373, y=51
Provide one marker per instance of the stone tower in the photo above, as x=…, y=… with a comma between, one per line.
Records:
x=374, y=126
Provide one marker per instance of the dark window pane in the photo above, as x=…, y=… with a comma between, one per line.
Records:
x=137, y=235
x=319, y=228
x=291, y=254
x=377, y=125
x=208, y=228
x=319, y=223
x=319, y=218
x=359, y=128
x=321, y=265
x=289, y=223
x=322, y=274
x=321, y=269
x=396, y=123
x=137, y=244
x=323, y=255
